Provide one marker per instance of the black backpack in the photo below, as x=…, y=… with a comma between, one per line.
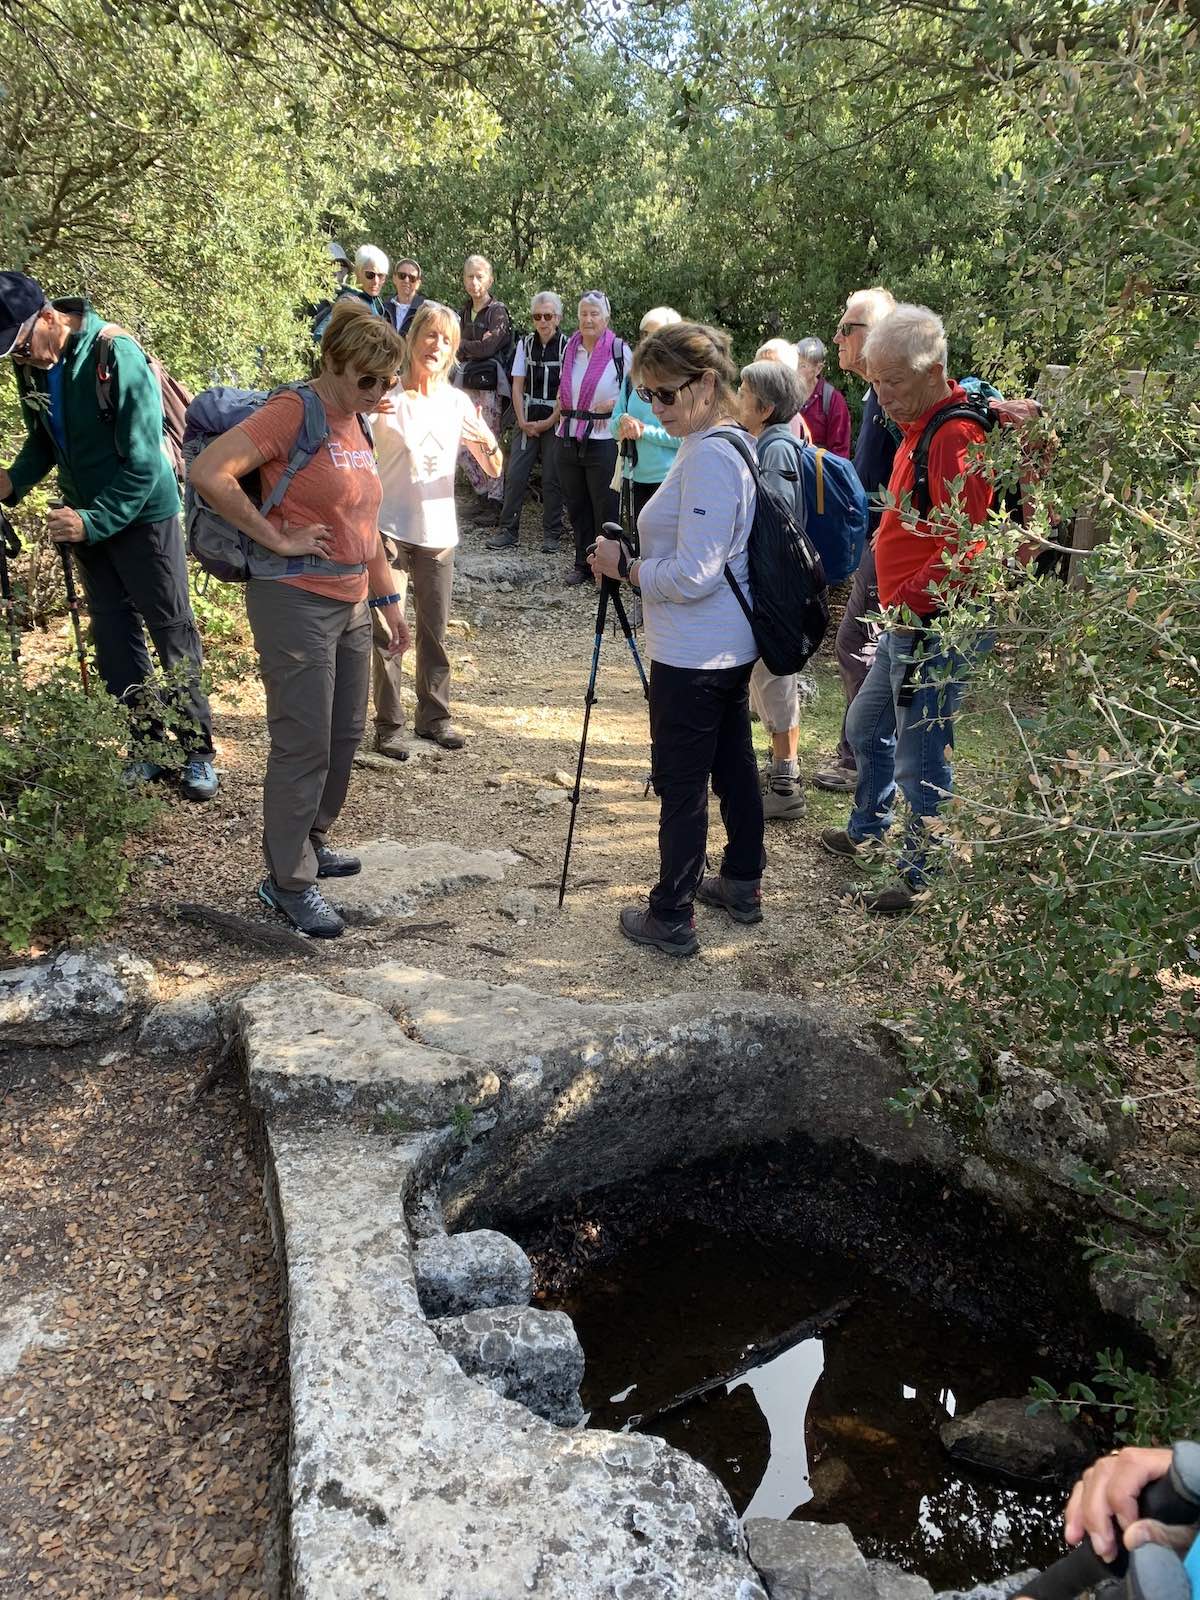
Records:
x=790, y=613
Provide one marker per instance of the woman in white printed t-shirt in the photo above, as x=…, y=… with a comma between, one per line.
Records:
x=594, y=363
x=417, y=443
x=702, y=651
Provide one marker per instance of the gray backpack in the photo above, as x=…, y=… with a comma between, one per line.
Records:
x=219, y=547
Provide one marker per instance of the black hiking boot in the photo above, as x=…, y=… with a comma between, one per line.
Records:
x=673, y=939
x=336, y=863
x=306, y=909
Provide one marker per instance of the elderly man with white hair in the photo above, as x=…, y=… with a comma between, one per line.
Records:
x=824, y=410
x=901, y=724
x=873, y=453
x=370, y=279
x=536, y=374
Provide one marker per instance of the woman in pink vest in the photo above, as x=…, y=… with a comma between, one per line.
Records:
x=594, y=363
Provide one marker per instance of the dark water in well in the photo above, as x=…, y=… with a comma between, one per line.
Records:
x=842, y=1425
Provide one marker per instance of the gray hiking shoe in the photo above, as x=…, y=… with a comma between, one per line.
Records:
x=890, y=901
x=742, y=900
x=783, y=802
x=836, y=780
x=306, y=909
x=839, y=843
x=673, y=939
x=504, y=540
x=336, y=863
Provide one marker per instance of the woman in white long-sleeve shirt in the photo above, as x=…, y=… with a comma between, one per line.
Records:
x=701, y=648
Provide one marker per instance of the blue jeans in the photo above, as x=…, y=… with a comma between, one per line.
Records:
x=905, y=746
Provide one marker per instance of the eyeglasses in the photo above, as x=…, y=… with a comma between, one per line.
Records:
x=23, y=351
x=379, y=275
x=369, y=381
x=543, y=316
x=845, y=327
x=408, y=277
x=665, y=397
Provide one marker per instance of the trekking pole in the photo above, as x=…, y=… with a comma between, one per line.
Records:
x=10, y=545
x=614, y=532
x=610, y=593
x=64, y=555
x=1173, y=1499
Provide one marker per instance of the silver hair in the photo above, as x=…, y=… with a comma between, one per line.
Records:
x=811, y=349
x=549, y=298
x=774, y=385
x=479, y=261
x=911, y=334
x=782, y=350
x=872, y=305
x=596, y=297
x=659, y=317
x=370, y=255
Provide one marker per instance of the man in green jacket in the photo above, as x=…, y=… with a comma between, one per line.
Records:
x=120, y=516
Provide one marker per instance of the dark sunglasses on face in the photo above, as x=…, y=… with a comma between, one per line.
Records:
x=665, y=397
x=379, y=275
x=845, y=327
x=23, y=351
x=408, y=277
x=543, y=316
x=367, y=381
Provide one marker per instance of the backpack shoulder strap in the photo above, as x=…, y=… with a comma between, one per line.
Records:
x=619, y=361
x=981, y=413
x=313, y=431
x=109, y=332
x=826, y=396
x=742, y=448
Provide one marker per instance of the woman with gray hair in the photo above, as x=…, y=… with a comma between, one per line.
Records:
x=536, y=374
x=486, y=339
x=768, y=400
x=370, y=276
x=595, y=362
x=824, y=410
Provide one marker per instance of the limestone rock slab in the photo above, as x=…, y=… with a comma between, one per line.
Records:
x=1041, y=1122
x=1002, y=1436
x=588, y=1088
x=522, y=1353
x=309, y=1048
x=397, y=878
x=460, y=1272
x=497, y=567
x=409, y=1480
x=893, y=1583
x=807, y=1560
x=81, y=994
x=180, y=1027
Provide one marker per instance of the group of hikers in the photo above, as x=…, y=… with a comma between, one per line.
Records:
x=406, y=389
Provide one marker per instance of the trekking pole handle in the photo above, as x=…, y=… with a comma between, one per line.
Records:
x=1174, y=1498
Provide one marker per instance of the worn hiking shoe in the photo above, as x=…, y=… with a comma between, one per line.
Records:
x=306, y=909
x=549, y=544
x=198, y=780
x=890, y=901
x=839, y=843
x=392, y=745
x=504, y=540
x=643, y=927
x=783, y=802
x=445, y=734
x=576, y=576
x=336, y=863
x=742, y=900
x=835, y=779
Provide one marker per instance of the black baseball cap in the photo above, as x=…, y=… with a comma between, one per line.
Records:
x=21, y=299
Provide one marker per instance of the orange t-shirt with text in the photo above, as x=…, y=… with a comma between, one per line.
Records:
x=339, y=487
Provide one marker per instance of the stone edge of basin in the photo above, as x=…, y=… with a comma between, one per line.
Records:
x=407, y=1477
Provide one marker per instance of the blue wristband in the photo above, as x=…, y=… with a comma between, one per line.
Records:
x=385, y=600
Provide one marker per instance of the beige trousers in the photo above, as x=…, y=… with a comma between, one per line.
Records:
x=429, y=575
x=314, y=655
x=775, y=700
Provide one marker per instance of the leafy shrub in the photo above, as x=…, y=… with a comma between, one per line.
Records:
x=65, y=809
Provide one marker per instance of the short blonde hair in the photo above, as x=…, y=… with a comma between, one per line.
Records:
x=355, y=336
x=442, y=317
x=659, y=317
x=781, y=350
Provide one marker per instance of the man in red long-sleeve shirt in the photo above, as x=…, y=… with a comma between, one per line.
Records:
x=901, y=723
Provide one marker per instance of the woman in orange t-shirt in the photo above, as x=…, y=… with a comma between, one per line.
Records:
x=312, y=629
